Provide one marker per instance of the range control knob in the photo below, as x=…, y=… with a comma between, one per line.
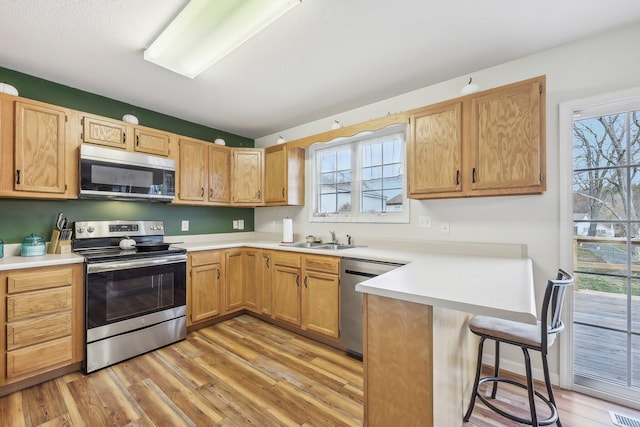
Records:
x=90, y=229
x=80, y=230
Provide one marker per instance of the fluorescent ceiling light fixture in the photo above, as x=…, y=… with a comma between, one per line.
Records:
x=207, y=30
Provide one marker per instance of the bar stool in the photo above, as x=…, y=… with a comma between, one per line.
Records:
x=538, y=337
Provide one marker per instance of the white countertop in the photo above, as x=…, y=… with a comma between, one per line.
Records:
x=500, y=285
x=435, y=273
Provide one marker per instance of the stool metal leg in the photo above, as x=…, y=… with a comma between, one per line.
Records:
x=547, y=381
x=476, y=382
x=496, y=370
x=530, y=390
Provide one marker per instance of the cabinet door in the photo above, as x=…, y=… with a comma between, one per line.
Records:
x=104, y=132
x=286, y=294
x=151, y=142
x=434, y=150
x=192, y=170
x=219, y=174
x=283, y=175
x=507, y=145
x=39, y=149
x=253, y=268
x=246, y=176
x=320, y=302
x=266, y=295
x=235, y=280
x=205, y=292
x=275, y=175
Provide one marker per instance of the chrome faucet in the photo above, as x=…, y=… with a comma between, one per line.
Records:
x=333, y=237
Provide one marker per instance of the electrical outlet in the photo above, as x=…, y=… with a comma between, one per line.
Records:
x=185, y=225
x=235, y=224
x=241, y=224
x=424, y=221
x=444, y=228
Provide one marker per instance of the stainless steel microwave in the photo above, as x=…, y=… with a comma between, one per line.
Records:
x=107, y=173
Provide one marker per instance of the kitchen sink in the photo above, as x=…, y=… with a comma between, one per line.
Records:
x=325, y=246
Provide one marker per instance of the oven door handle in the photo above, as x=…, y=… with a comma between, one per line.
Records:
x=136, y=263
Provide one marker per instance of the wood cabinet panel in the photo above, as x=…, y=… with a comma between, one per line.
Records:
x=21, y=306
x=247, y=176
x=321, y=302
x=327, y=264
x=39, y=148
x=205, y=291
x=100, y=131
x=151, y=141
x=286, y=294
x=283, y=175
x=434, y=150
x=507, y=140
x=205, y=257
x=290, y=259
x=219, y=174
x=266, y=290
x=39, y=279
x=253, y=269
x=39, y=329
x=234, y=280
x=35, y=359
x=192, y=170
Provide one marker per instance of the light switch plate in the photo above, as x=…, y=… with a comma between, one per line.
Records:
x=241, y=224
x=185, y=225
x=424, y=221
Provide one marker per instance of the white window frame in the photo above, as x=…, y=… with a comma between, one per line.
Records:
x=356, y=168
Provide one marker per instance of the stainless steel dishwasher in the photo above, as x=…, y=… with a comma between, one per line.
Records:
x=354, y=271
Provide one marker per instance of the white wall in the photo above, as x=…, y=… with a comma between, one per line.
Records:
x=606, y=63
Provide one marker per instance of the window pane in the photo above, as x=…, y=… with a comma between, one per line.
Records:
x=371, y=154
x=328, y=162
x=634, y=135
x=344, y=176
x=327, y=203
x=392, y=151
x=344, y=202
x=344, y=160
x=590, y=344
x=599, y=142
x=599, y=194
x=393, y=169
x=372, y=201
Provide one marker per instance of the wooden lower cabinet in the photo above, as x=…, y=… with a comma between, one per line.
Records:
x=287, y=272
x=44, y=326
x=321, y=295
x=265, y=283
x=234, y=263
x=253, y=275
x=419, y=363
x=204, y=286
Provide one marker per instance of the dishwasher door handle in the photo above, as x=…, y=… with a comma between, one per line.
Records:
x=361, y=273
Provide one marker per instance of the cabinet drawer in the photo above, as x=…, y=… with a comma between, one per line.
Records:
x=32, y=360
x=31, y=304
x=37, y=330
x=287, y=258
x=42, y=279
x=204, y=258
x=327, y=264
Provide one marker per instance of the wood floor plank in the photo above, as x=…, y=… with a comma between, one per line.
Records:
x=241, y=372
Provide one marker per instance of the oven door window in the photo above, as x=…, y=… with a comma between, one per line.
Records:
x=122, y=294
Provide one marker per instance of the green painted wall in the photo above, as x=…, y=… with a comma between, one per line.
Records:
x=18, y=218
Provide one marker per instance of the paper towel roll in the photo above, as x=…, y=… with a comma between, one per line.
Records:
x=287, y=230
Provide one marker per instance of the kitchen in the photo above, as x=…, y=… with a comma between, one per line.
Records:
x=532, y=220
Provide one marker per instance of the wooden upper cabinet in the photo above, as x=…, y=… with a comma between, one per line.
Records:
x=192, y=170
x=151, y=141
x=219, y=174
x=434, y=150
x=247, y=176
x=489, y=143
x=102, y=131
x=507, y=138
x=284, y=175
x=39, y=148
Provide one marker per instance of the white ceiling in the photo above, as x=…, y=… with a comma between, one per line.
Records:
x=322, y=58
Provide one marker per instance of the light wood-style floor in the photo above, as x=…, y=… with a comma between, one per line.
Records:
x=237, y=373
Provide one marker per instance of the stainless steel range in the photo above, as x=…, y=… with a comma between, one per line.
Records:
x=135, y=289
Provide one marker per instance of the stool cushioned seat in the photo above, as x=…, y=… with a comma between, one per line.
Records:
x=508, y=330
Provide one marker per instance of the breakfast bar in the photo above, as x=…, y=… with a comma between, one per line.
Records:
x=419, y=357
